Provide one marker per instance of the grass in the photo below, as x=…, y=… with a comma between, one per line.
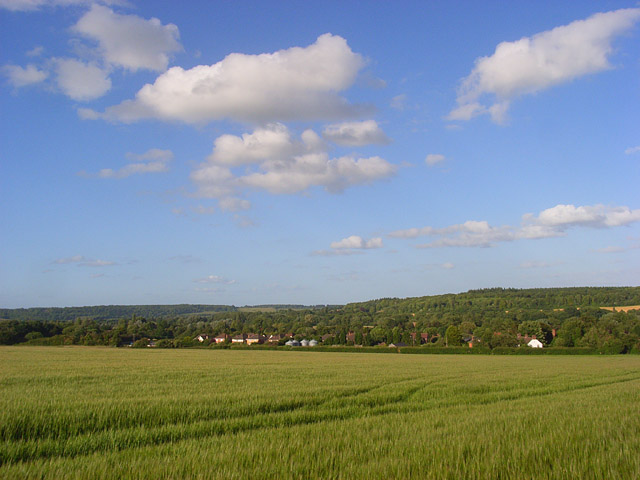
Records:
x=124, y=413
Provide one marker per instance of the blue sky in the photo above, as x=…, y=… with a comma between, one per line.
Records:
x=315, y=152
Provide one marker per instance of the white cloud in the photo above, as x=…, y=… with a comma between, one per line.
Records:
x=280, y=164
x=353, y=245
x=552, y=222
x=21, y=77
x=294, y=84
x=357, y=242
x=214, y=279
x=434, y=158
x=152, y=161
x=470, y=234
x=83, y=261
x=354, y=134
x=544, y=60
x=130, y=41
x=271, y=142
x=448, y=266
x=632, y=150
x=317, y=169
x=81, y=81
x=214, y=181
x=597, y=216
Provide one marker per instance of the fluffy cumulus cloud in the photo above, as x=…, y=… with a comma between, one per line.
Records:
x=535, y=63
x=129, y=41
x=81, y=81
x=153, y=161
x=272, y=141
x=350, y=246
x=552, y=222
x=597, y=216
x=357, y=242
x=299, y=83
x=123, y=41
x=276, y=162
x=355, y=134
x=24, y=76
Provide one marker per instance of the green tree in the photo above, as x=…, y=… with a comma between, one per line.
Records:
x=452, y=336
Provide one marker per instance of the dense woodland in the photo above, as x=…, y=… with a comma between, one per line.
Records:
x=489, y=318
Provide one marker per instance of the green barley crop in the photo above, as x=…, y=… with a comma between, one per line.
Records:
x=123, y=413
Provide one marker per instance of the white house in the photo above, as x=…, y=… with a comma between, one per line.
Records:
x=535, y=343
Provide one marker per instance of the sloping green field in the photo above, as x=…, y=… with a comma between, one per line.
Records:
x=126, y=413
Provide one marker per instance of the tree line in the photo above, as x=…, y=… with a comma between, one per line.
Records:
x=568, y=317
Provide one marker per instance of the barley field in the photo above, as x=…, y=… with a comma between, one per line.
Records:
x=125, y=413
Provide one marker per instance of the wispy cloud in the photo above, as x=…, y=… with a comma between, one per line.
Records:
x=83, y=261
x=185, y=259
x=611, y=249
x=215, y=279
x=434, y=158
x=399, y=102
x=536, y=264
x=32, y=5
x=632, y=150
x=335, y=253
x=202, y=210
x=354, y=134
x=152, y=161
x=552, y=222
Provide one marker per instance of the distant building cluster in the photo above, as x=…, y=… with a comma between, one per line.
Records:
x=254, y=338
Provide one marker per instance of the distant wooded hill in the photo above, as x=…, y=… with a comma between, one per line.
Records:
x=110, y=312
x=505, y=299
x=486, y=301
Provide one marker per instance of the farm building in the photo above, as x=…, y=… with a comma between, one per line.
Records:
x=535, y=343
x=253, y=338
x=221, y=338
